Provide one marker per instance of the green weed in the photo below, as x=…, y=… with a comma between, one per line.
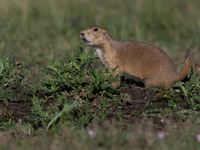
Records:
x=10, y=81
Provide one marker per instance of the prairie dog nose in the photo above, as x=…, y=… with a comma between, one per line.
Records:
x=82, y=33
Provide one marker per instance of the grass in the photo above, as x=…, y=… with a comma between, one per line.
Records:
x=72, y=103
x=138, y=136
x=37, y=33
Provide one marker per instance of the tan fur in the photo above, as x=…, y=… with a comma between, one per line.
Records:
x=142, y=62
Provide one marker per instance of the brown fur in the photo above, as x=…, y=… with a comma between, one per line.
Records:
x=147, y=63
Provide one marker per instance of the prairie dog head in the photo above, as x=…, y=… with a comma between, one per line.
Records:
x=94, y=36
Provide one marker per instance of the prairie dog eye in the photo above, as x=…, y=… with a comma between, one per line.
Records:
x=95, y=29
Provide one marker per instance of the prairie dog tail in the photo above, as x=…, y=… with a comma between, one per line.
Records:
x=186, y=70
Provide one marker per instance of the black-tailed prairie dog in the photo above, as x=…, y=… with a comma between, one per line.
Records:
x=139, y=61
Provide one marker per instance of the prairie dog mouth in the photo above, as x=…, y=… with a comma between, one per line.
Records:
x=84, y=39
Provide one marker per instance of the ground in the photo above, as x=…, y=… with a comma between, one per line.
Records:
x=135, y=104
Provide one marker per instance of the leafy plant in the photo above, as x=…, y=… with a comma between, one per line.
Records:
x=10, y=80
x=48, y=117
x=191, y=92
x=80, y=72
x=76, y=80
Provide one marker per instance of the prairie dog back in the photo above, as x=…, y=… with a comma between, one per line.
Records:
x=139, y=61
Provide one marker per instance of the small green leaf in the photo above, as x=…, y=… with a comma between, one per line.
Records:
x=7, y=58
x=68, y=57
x=1, y=66
x=197, y=97
x=172, y=103
x=5, y=101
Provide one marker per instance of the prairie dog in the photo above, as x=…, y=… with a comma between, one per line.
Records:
x=139, y=61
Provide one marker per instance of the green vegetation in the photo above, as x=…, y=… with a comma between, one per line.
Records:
x=54, y=93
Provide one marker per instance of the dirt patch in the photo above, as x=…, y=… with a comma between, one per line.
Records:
x=16, y=110
x=139, y=102
x=133, y=105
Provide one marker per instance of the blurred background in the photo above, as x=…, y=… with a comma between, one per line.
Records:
x=36, y=32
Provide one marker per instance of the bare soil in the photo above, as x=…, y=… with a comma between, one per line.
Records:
x=133, y=105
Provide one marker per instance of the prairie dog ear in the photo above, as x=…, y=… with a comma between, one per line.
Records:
x=105, y=33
